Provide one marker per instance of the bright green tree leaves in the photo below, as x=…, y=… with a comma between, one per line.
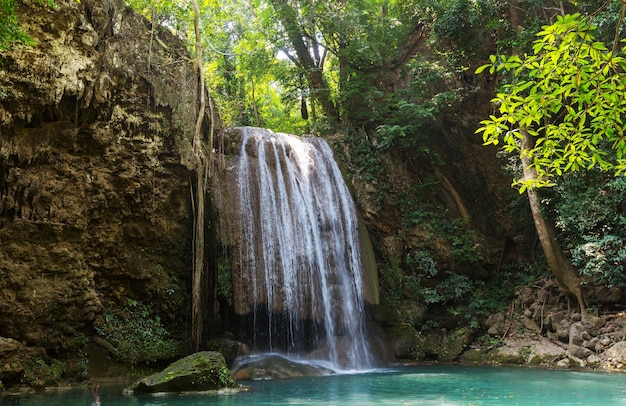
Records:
x=9, y=31
x=570, y=95
x=177, y=15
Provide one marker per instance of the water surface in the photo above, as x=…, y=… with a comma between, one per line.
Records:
x=423, y=385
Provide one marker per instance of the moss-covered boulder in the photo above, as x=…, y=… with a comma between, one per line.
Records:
x=403, y=341
x=202, y=371
x=447, y=347
x=522, y=351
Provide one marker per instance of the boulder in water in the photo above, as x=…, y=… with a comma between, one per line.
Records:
x=199, y=372
x=274, y=366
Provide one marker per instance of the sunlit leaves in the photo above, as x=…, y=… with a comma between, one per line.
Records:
x=10, y=32
x=174, y=14
x=569, y=95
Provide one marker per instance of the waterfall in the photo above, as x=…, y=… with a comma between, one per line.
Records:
x=299, y=265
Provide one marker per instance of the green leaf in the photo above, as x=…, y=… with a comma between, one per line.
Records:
x=480, y=69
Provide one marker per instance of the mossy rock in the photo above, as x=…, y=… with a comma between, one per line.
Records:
x=510, y=355
x=385, y=315
x=431, y=344
x=448, y=348
x=475, y=356
x=404, y=342
x=457, y=342
x=199, y=372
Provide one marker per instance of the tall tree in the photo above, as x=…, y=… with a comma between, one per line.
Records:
x=297, y=34
x=350, y=51
x=566, y=275
x=563, y=111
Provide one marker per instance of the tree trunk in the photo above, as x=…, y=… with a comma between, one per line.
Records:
x=319, y=88
x=565, y=273
x=255, y=106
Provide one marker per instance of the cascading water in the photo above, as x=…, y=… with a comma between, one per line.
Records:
x=300, y=279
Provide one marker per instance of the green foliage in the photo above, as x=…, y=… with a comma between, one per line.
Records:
x=489, y=340
x=418, y=212
x=589, y=203
x=175, y=15
x=461, y=23
x=366, y=162
x=568, y=96
x=409, y=116
x=248, y=83
x=38, y=373
x=225, y=377
x=413, y=281
x=137, y=335
x=363, y=101
x=403, y=127
x=390, y=135
x=607, y=16
x=461, y=237
x=455, y=286
x=423, y=267
x=402, y=286
x=481, y=298
x=415, y=278
x=602, y=260
x=590, y=212
x=10, y=31
x=358, y=151
x=252, y=84
x=257, y=78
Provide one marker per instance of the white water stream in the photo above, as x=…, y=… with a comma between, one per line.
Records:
x=299, y=236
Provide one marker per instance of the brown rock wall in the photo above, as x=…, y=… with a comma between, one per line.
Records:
x=94, y=181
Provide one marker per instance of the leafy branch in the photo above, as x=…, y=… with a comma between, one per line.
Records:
x=567, y=95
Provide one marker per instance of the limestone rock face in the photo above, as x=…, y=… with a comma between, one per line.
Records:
x=199, y=372
x=524, y=351
x=447, y=347
x=8, y=345
x=616, y=355
x=545, y=351
x=94, y=178
x=559, y=338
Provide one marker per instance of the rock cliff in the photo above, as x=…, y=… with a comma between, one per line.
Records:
x=95, y=211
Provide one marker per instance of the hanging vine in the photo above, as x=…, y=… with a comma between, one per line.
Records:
x=202, y=173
